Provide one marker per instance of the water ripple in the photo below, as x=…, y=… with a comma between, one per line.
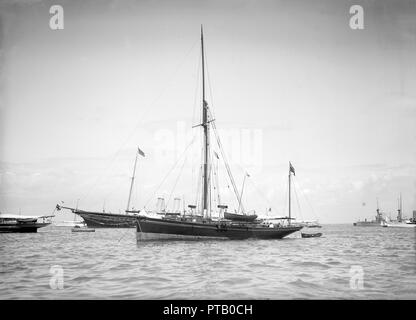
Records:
x=111, y=264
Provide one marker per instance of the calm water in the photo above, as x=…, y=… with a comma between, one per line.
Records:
x=111, y=264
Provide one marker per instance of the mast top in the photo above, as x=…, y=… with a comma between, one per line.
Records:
x=205, y=124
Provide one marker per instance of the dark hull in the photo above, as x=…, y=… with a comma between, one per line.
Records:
x=21, y=227
x=311, y=235
x=107, y=220
x=82, y=230
x=367, y=224
x=166, y=229
x=239, y=217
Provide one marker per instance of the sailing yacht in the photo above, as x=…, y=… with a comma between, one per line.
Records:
x=203, y=225
x=21, y=223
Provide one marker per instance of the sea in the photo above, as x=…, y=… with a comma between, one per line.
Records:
x=347, y=262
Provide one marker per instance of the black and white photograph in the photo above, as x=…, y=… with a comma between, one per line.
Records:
x=228, y=150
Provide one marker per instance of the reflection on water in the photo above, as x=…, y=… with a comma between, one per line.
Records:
x=111, y=263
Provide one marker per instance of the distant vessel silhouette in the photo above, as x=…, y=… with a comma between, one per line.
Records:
x=378, y=222
x=401, y=222
x=22, y=224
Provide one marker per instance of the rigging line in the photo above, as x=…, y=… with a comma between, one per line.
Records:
x=307, y=200
x=264, y=197
x=226, y=162
x=200, y=175
x=146, y=109
x=169, y=172
x=259, y=193
x=116, y=187
x=211, y=112
x=135, y=192
x=199, y=180
x=214, y=186
x=217, y=183
x=285, y=203
x=198, y=186
x=196, y=92
x=193, y=121
x=211, y=169
x=297, y=200
x=176, y=182
x=209, y=86
x=213, y=116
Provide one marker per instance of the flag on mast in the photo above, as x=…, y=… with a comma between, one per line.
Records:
x=141, y=152
x=291, y=169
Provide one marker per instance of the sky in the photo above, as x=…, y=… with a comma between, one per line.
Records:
x=287, y=81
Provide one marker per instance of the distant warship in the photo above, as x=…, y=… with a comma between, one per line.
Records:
x=379, y=222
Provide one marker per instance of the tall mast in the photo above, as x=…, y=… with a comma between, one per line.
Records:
x=378, y=216
x=399, y=210
x=401, y=206
x=132, y=181
x=206, y=133
x=290, y=209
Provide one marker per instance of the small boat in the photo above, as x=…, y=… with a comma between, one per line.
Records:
x=311, y=235
x=82, y=229
x=240, y=217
